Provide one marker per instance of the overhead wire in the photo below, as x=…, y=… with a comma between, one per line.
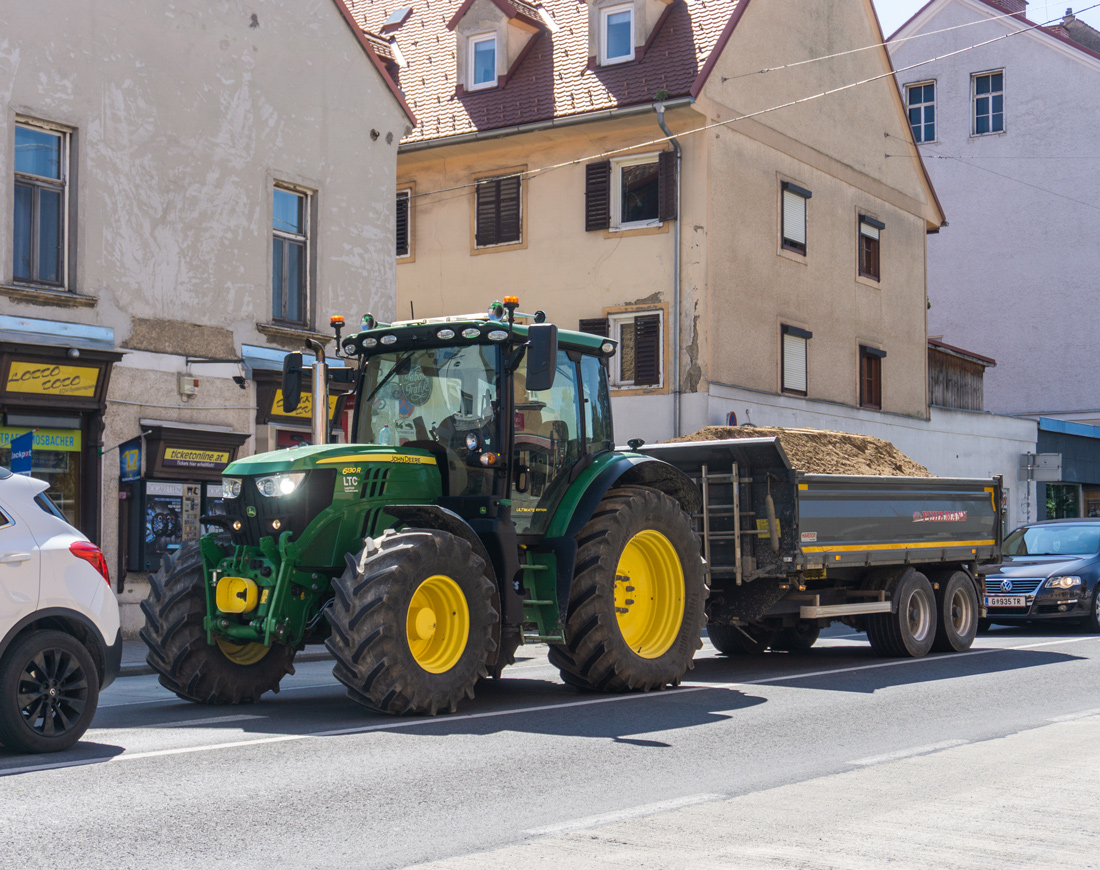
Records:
x=532, y=173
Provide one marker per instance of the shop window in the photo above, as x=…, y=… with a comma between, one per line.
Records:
x=869, y=233
x=290, y=256
x=497, y=218
x=921, y=101
x=41, y=194
x=794, y=199
x=56, y=457
x=795, y=375
x=989, y=103
x=1063, y=501
x=870, y=377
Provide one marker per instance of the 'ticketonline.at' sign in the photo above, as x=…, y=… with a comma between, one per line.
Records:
x=48, y=379
x=185, y=457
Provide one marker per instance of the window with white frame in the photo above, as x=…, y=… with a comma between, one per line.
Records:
x=403, y=228
x=989, y=103
x=635, y=192
x=922, y=111
x=41, y=204
x=482, y=61
x=290, y=256
x=794, y=199
x=639, y=361
x=794, y=374
x=616, y=38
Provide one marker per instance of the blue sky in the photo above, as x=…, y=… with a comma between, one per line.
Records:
x=894, y=13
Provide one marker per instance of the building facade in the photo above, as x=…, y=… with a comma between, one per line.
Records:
x=189, y=191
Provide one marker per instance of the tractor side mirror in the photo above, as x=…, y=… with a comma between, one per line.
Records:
x=292, y=382
x=542, y=356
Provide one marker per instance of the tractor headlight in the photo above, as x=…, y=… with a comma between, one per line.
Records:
x=1062, y=582
x=473, y=441
x=231, y=487
x=278, y=485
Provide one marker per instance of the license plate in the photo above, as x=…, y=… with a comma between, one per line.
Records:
x=1006, y=601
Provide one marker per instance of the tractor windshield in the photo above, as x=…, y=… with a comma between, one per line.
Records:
x=433, y=394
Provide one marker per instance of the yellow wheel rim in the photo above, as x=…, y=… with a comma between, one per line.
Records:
x=649, y=594
x=438, y=624
x=242, y=653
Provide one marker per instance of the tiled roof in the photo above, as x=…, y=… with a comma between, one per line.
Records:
x=552, y=79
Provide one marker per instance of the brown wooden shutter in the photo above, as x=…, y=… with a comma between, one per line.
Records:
x=498, y=211
x=666, y=199
x=402, y=224
x=597, y=196
x=595, y=326
x=647, y=350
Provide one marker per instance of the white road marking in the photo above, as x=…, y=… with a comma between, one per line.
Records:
x=213, y=720
x=623, y=815
x=909, y=753
x=1070, y=717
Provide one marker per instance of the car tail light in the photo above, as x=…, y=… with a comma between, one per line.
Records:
x=91, y=554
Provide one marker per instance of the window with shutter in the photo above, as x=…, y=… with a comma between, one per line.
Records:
x=642, y=192
x=595, y=326
x=667, y=164
x=403, y=236
x=794, y=362
x=597, y=196
x=497, y=211
x=647, y=350
x=639, y=361
x=869, y=232
x=870, y=376
x=794, y=217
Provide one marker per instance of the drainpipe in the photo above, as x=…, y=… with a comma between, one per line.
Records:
x=674, y=327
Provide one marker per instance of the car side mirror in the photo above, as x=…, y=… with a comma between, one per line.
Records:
x=542, y=356
x=292, y=382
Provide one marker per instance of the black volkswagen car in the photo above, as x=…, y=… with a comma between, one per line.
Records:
x=1050, y=570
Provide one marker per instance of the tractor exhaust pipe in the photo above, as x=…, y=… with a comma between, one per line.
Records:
x=320, y=393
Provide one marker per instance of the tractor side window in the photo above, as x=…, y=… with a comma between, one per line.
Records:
x=547, y=445
x=597, y=406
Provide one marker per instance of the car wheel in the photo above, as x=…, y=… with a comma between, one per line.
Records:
x=49, y=689
x=1092, y=621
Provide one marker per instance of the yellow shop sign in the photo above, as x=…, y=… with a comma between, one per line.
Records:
x=180, y=457
x=65, y=440
x=48, y=379
x=305, y=406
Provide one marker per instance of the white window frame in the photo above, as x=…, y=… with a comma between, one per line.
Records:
x=974, y=102
x=64, y=157
x=922, y=105
x=305, y=238
x=617, y=165
x=606, y=59
x=615, y=323
x=471, y=46
x=798, y=197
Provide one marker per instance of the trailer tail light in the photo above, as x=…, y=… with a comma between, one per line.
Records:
x=91, y=554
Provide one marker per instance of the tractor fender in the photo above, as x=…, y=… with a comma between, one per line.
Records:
x=430, y=516
x=634, y=470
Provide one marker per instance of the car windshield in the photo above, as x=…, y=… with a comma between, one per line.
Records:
x=436, y=394
x=1062, y=539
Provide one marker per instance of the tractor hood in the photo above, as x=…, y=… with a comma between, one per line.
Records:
x=326, y=456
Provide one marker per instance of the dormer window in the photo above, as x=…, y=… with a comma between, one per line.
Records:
x=482, y=64
x=617, y=34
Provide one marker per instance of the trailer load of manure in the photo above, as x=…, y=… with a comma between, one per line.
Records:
x=822, y=451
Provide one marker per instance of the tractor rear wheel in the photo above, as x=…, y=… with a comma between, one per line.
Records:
x=636, y=607
x=413, y=622
x=222, y=673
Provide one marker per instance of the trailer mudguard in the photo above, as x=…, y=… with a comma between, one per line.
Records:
x=585, y=494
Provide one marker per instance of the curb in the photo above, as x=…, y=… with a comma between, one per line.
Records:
x=141, y=669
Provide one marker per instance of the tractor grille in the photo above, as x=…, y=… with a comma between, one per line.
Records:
x=1020, y=585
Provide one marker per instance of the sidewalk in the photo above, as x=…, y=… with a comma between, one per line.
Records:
x=133, y=657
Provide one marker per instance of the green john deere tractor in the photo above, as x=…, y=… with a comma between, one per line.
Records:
x=482, y=505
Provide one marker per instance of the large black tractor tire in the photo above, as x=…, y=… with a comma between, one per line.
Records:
x=636, y=607
x=49, y=688
x=957, y=606
x=911, y=629
x=732, y=640
x=219, y=673
x=413, y=620
x=798, y=638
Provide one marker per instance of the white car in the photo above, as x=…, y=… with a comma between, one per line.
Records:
x=60, y=639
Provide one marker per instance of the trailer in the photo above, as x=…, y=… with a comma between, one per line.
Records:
x=787, y=552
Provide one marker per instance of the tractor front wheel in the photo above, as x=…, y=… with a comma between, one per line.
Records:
x=636, y=607
x=413, y=622
x=220, y=673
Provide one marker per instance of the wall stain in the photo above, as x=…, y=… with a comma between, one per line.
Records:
x=694, y=372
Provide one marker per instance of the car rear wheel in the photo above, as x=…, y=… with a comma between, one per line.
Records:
x=1092, y=621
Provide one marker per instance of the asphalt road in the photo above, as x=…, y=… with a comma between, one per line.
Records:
x=830, y=759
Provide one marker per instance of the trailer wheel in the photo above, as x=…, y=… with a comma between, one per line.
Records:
x=912, y=628
x=636, y=606
x=732, y=640
x=957, y=605
x=412, y=621
x=798, y=638
x=222, y=673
